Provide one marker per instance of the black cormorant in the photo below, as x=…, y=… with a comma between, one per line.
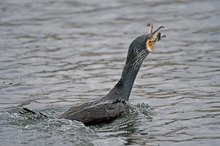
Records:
x=115, y=103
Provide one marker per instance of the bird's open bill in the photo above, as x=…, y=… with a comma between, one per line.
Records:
x=154, y=36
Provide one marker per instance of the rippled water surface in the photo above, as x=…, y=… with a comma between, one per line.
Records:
x=54, y=54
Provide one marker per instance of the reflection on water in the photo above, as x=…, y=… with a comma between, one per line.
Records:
x=58, y=53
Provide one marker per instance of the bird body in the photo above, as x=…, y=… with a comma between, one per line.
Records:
x=97, y=112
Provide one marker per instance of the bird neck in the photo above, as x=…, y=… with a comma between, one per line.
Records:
x=124, y=86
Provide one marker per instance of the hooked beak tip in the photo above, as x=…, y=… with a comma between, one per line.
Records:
x=162, y=27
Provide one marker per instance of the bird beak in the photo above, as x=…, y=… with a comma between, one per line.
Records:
x=153, y=37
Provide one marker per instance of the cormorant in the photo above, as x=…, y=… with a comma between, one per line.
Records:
x=115, y=103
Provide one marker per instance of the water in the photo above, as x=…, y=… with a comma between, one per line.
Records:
x=54, y=54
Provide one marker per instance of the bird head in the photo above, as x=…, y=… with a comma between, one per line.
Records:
x=142, y=46
x=145, y=44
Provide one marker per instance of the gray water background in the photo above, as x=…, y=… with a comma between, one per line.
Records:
x=54, y=54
